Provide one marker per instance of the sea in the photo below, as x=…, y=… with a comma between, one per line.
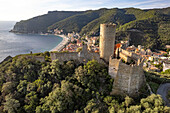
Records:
x=14, y=44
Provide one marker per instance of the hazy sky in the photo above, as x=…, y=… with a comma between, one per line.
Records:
x=24, y=9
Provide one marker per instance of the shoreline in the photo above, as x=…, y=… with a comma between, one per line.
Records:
x=61, y=45
x=58, y=48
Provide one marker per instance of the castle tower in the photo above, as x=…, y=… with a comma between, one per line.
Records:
x=107, y=40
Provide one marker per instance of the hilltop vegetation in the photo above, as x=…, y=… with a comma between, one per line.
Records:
x=40, y=23
x=154, y=24
x=29, y=86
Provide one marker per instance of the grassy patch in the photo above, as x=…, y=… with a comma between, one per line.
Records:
x=154, y=86
x=156, y=78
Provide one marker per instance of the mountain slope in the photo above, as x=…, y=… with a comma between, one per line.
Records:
x=155, y=31
x=77, y=22
x=40, y=23
x=117, y=16
x=152, y=23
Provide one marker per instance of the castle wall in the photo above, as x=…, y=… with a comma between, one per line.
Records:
x=82, y=57
x=64, y=56
x=107, y=40
x=84, y=54
x=129, y=78
x=133, y=56
x=137, y=79
x=122, y=79
x=38, y=58
x=113, y=67
x=125, y=57
x=96, y=57
x=126, y=52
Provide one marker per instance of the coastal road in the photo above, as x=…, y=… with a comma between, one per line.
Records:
x=163, y=91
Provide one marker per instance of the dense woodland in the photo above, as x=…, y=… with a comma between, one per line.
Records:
x=29, y=86
x=153, y=26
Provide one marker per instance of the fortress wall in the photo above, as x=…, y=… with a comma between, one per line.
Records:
x=96, y=57
x=83, y=56
x=107, y=40
x=137, y=79
x=128, y=80
x=124, y=73
x=130, y=54
x=113, y=67
x=126, y=52
x=125, y=57
x=121, y=83
x=38, y=58
x=64, y=56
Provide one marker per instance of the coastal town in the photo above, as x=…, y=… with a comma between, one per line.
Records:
x=87, y=56
x=130, y=66
x=155, y=61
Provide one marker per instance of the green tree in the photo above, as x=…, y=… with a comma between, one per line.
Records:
x=23, y=68
x=31, y=101
x=134, y=109
x=128, y=101
x=95, y=76
x=8, y=87
x=55, y=69
x=51, y=72
x=22, y=87
x=81, y=75
x=153, y=103
x=11, y=105
x=95, y=106
x=68, y=69
x=113, y=104
x=63, y=99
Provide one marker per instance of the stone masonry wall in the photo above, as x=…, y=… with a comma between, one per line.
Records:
x=64, y=56
x=82, y=57
x=107, y=40
x=38, y=58
x=128, y=80
x=96, y=57
x=130, y=54
x=113, y=67
x=124, y=57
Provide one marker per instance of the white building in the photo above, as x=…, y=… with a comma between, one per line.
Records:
x=166, y=66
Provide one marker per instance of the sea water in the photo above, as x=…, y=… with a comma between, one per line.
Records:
x=13, y=44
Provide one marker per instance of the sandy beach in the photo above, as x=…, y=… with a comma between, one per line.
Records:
x=60, y=46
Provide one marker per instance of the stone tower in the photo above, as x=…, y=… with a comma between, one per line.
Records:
x=107, y=40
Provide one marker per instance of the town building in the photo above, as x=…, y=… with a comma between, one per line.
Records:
x=166, y=65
